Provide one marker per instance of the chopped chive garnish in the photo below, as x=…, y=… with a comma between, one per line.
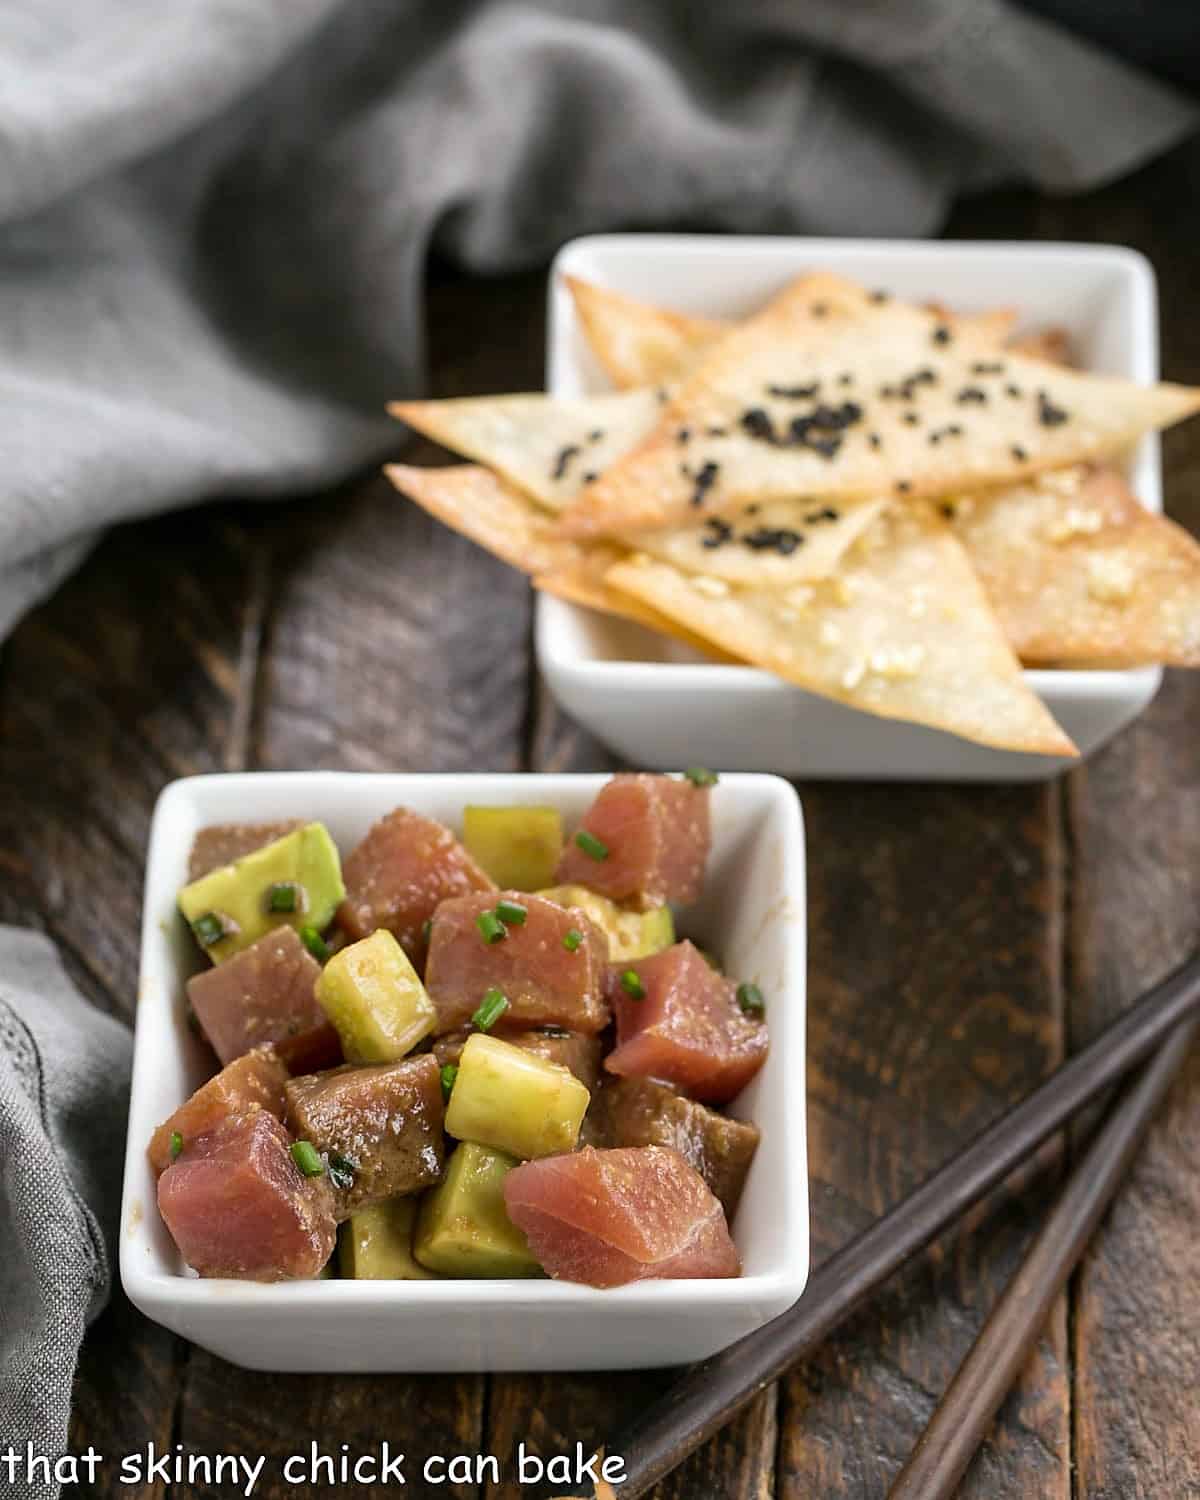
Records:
x=572, y=938
x=750, y=998
x=491, y=928
x=176, y=1144
x=512, y=913
x=632, y=985
x=315, y=943
x=701, y=776
x=495, y=1003
x=449, y=1074
x=307, y=1158
x=341, y=1170
x=590, y=844
x=426, y=929
x=209, y=928
x=284, y=895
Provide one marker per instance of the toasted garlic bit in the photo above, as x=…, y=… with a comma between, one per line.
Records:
x=711, y=588
x=830, y=635
x=1110, y=578
x=844, y=591
x=1063, y=481
x=897, y=661
x=1076, y=522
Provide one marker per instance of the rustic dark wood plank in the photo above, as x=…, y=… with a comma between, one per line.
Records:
x=1135, y=827
x=130, y=676
x=934, y=1002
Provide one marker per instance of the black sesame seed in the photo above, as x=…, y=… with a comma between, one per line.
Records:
x=972, y=393
x=879, y=295
x=942, y=334
x=911, y=418
x=947, y=510
x=595, y=435
x=716, y=431
x=874, y=439
x=756, y=423
x=780, y=539
x=705, y=480
x=846, y=378
x=819, y=309
x=1012, y=390
x=903, y=486
x=753, y=510
x=565, y=456
x=1019, y=453
x=795, y=392
x=590, y=477
x=1050, y=415
x=683, y=435
x=988, y=367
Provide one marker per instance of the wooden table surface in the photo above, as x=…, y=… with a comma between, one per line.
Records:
x=962, y=940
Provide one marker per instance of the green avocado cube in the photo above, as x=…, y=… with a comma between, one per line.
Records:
x=375, y=1244
x=295, y=881
x=519, y=847
x=631, y=934
x=463, y=1228
x=514, y=1101
x=375, y=999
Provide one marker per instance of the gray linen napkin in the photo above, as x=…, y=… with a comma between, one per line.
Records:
x=64, y=1085
x=214, y=214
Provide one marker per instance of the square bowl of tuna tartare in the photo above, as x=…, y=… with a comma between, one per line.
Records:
x=469, y=1072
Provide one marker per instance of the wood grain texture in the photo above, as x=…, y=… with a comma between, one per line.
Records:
x=133, y=674
x=934, y=1002
x=1135, y=827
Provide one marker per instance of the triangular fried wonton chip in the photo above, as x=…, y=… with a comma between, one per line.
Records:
x=637, y=344
x=586, y=583
x=828, y=392
x=902, y=630
x=507, y=523
x=544, y=446
x=548, y=447
x=640, y=344
x=1078, y=572
x=502, y=520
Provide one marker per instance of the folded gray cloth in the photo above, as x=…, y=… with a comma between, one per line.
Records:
x=64, y=1087
x=214, y=214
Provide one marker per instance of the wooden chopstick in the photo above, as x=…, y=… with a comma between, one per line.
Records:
x=966, y=1411
x=712, y=1392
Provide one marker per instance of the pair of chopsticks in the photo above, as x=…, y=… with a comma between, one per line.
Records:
x=714, y=1391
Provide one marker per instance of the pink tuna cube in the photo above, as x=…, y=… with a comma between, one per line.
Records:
x=610, y=1217
x=255, y=1081
x=687, y=1028
x=655, y=831
x=236, y=1204
x=265, y=995
x=545, y=982
x=399, y=874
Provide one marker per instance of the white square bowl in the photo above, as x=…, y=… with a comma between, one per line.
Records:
x=752, y=913
x=658, y=703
